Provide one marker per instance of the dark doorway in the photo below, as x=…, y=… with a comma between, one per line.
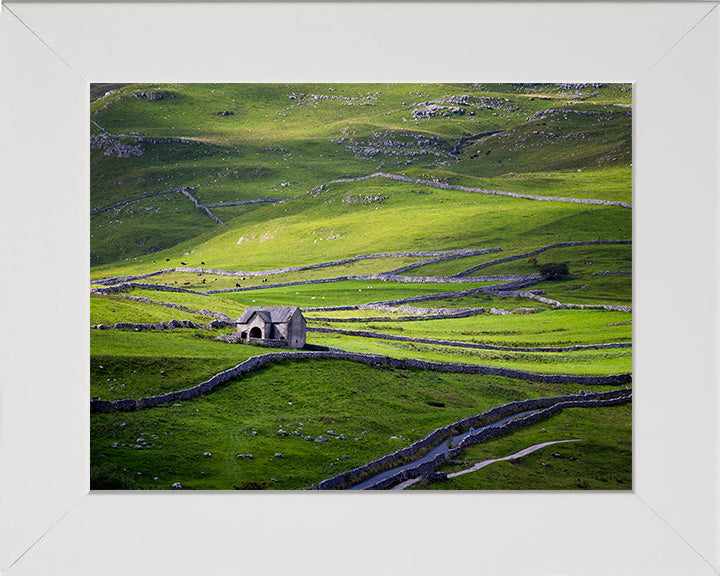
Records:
x=255, y=332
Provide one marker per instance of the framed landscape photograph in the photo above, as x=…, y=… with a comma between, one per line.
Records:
x=282, y=261
x=363, y=286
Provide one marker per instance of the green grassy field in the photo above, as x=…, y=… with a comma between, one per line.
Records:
x=601, y=460
x=228, y=143
x=109, y=310
x=377, y=411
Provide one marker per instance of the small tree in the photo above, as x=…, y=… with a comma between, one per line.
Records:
x=554, y=270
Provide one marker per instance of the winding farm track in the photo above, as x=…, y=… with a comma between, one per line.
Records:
x=479, y=465
x=384, y=336
x=442, y=185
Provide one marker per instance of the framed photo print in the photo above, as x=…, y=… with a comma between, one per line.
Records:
x=309, y=286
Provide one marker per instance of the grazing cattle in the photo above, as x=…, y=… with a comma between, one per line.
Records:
x=203, y=263
x=236, y=284
x=184, y=263
x=186, y=283
x=203, y=280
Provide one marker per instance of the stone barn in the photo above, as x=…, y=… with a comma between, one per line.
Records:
x=279, y=325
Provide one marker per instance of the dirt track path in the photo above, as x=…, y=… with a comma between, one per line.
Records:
x=479, y=465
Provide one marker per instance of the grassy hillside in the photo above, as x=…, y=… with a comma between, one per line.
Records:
x=259, y=178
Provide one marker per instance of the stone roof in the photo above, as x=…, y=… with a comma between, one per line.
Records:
x=273, y=314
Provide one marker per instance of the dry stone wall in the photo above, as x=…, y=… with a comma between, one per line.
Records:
x=384, y=336
x=513, y=281
x=539, y=251
x=218, y=272
x=130, y=285
x=170, y=325
x=544, y=407
x=203, y=312
x=200, y=206
x=142, y=197
x=441, y=314
x=370, y=359
x=556, y=304
x=444, y=186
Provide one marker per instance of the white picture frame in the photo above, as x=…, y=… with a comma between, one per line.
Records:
x=51, y=524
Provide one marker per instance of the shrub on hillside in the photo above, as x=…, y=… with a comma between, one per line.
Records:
x=554, y=270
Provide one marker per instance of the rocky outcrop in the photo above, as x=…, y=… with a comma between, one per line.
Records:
x=153, y=95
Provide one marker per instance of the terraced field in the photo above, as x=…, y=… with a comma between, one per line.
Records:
x=469, y=245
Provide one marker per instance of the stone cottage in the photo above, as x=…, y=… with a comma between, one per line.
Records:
x=279, y=325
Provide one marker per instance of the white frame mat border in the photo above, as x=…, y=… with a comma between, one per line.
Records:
x=51, y=524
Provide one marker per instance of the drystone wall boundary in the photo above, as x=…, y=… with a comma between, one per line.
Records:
x=130, y=285
x=545, y=406
x=444, y=186
x=442, y=314
x=384, y=336
x=516, y=279
x=200, y=206
x=142, y=197
x=491, y=289
x=540, y=251
x=170, y=325
x=369, y=359
x=203, y=312
x=217, y=272
x=441, y=259
x=426, y=468
x=245, y=202
x=560, y=305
